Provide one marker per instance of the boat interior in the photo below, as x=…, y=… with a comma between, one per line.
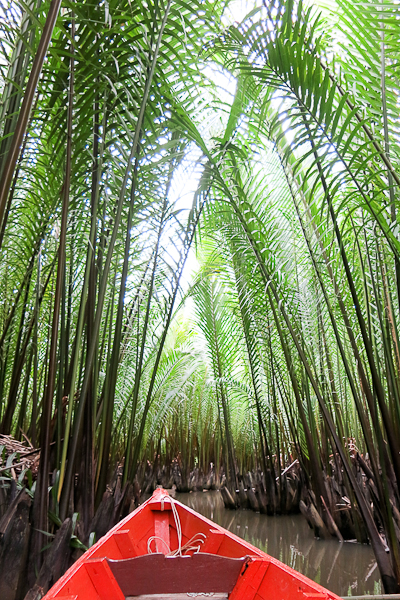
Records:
x=167, y=551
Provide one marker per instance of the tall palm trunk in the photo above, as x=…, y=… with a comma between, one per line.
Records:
x=41, y=495
x=112, y=370
x=103, y=283
x=20, y=129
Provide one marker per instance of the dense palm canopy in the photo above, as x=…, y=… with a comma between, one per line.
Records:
x=268, y=147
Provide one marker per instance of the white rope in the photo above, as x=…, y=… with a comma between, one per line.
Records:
x=156, y=537
x=178, y=528
x=193, y=545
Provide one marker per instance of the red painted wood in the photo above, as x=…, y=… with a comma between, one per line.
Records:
x=125, y=543
x=109, y=549
x=72, y=584
x=213, y=541
x=278, y=585
x=157, y=574
x=250, y=580
x=160, y=500
x=193, y=523
x=265, y=578
x=161, y=531
x=103, y=579
x=162, y=506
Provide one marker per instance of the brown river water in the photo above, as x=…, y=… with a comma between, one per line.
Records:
x=348, y=569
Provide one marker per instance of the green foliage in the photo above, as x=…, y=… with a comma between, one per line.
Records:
x=287, y=187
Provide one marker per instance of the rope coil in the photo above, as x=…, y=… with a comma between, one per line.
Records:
x=193, y=545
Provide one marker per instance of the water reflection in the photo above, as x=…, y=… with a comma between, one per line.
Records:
x=346, y=569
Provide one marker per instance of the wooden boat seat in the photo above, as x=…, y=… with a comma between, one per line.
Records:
x=155, y=575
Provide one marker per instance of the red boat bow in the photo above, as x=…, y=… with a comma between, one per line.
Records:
x=194, y=558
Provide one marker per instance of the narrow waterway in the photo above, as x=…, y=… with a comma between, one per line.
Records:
x=347, y=569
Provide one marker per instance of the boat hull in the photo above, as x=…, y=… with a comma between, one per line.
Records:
x=133, y=560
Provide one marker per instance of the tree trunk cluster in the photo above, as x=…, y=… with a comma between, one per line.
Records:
x=334, y=513
x=265, y=494
x=331, y=512
x=176, y=477
x=19, y=579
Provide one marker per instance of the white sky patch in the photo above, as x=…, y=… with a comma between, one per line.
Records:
x=238, y=10
x=223, y=80
x=187, y=176
x=189, y=271
x=184, y=185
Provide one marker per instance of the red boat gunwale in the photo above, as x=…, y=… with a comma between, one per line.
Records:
x=260, y=576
